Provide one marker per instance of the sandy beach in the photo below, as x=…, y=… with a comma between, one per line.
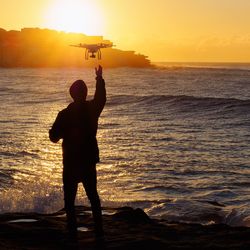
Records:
x=125, y=228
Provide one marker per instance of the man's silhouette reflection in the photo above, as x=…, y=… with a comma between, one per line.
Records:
x=77, y=126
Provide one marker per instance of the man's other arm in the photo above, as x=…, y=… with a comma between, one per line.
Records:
x=55, y=133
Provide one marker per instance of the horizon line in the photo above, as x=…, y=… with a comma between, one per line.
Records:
x=201, y=62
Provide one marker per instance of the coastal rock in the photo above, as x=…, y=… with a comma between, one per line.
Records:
x=125, y=228
x=132, y=216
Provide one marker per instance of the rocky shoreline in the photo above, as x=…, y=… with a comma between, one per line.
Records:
x=125, y=228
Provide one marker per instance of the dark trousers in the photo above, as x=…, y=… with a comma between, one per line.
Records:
x=70, y=185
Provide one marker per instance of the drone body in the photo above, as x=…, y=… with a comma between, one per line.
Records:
x=93, y=49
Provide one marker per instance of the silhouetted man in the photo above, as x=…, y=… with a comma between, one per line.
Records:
x=77, y=126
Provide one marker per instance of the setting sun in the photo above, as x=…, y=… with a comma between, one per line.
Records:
x=163, y=30
x=74, y=16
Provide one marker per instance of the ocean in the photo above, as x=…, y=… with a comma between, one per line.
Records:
x=174, y=140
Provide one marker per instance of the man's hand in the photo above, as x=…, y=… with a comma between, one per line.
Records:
x=98, y=71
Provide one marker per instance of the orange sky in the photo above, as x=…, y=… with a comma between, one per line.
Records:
x=165, y=30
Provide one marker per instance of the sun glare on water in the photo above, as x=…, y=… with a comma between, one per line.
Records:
x=81, y=16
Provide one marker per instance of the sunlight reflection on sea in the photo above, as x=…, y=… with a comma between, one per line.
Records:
x=174, y=142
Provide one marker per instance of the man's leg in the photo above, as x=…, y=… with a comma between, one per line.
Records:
x=70, y=190
x=90, y=185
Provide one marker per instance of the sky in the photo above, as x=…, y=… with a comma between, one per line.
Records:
x=164, y=30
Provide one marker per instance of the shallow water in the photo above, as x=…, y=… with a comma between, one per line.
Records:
x=173, y=141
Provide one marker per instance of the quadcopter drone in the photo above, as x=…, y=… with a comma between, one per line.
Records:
x=93, y=49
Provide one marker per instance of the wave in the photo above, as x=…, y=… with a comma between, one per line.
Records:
x=181, y=100
x=19, y=154
x=6, y=177
x=203, y=66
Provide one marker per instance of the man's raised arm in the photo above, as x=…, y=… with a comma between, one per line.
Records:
x=100, y=92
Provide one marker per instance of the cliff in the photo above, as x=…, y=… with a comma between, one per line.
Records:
x=34, y=47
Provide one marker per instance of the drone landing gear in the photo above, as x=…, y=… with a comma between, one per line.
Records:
x=99, y=54
x=86, y=54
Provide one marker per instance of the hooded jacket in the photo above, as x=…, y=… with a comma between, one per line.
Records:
x=77, y=126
